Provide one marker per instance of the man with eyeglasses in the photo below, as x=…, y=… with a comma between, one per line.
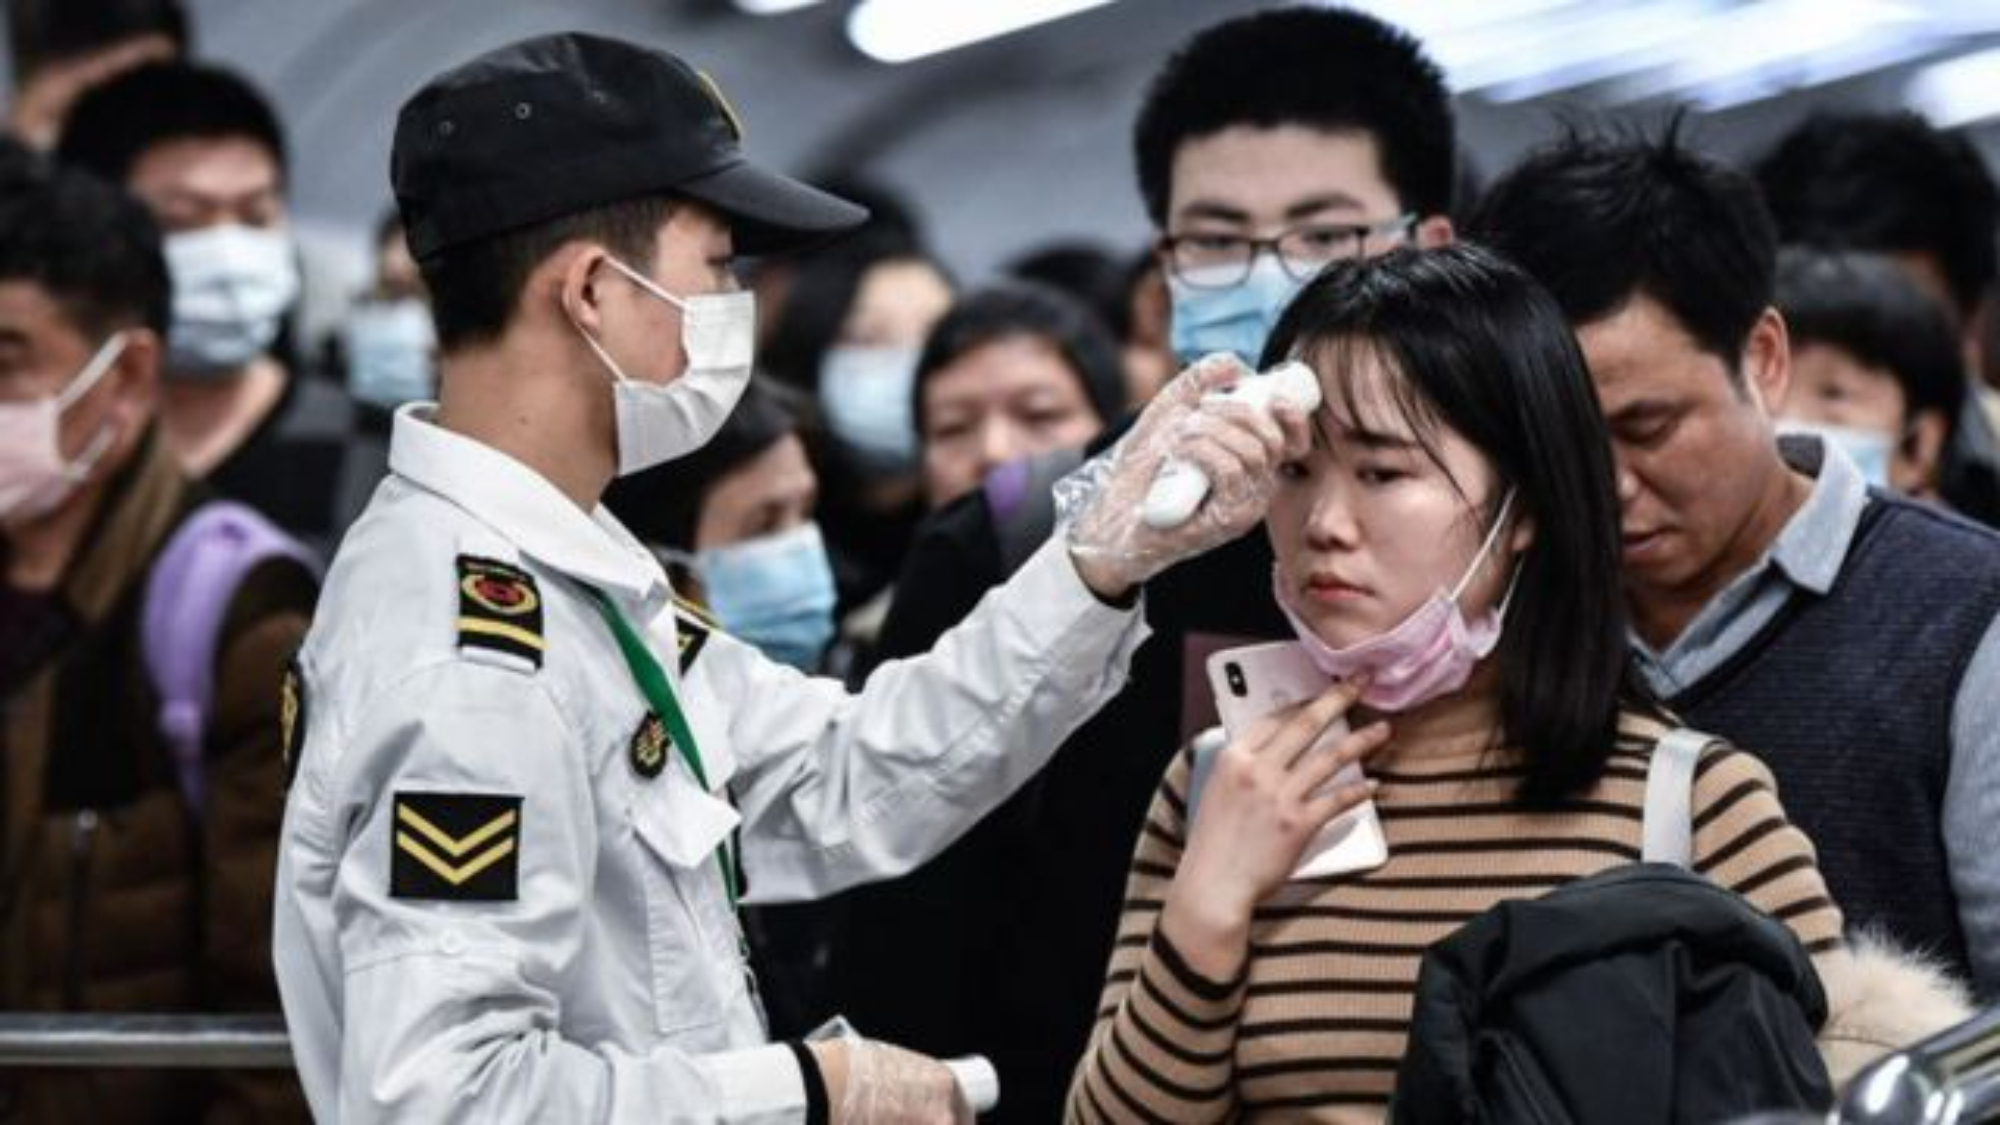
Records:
x=1267, y=147
x=1275, y=144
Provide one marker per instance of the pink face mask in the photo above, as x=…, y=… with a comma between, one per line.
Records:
x=1430, y=654
x=34, y=477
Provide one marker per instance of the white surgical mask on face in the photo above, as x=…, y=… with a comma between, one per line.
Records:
x=1870, y=450
x=232, y=287
x=867, y=392
x=34, y=476
x=391, y=350
x=659, y=422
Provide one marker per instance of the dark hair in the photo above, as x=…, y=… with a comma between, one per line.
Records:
x=1887, y=181
x=823, y=289
x=662, y=505
x=1322, y=69
x=113, y=125
x=476, y=286
x=1095, y=276
x=43, y=32
x=1867, y=306
x=1598, y=220
x=1477, y=347
x=87, y=244
x=1023, y=308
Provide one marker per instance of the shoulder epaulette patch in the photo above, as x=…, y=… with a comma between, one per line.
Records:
x=692, y=625
x=499, y=609
x=463, y=847
x=291, y=718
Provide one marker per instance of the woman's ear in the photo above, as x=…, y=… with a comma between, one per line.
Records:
x=1522, y=536
x=135, y=378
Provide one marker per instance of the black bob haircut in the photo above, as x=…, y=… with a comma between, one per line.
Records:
x=93, y=249
x=1889, y=182
x=42, y=33
x=1599, y=220
x=662, y=505
x=1474, y=346
x=1865, y=305
x=1011, y=309
x=112, y=126
x=1334, y=71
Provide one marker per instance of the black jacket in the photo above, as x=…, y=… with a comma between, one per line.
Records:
x=1641, y=995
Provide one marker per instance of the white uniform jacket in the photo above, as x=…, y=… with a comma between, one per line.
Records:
x=498, y=900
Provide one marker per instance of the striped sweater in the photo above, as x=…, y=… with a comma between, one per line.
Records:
x=1315, y=1027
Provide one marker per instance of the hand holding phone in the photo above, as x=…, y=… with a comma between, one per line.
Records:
x=1253, y=683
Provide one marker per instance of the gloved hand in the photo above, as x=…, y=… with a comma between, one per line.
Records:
x=874, y=1083
x=1237, y=446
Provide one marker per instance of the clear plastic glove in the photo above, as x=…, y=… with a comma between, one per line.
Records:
x=1237, y=446
x=886, y=1085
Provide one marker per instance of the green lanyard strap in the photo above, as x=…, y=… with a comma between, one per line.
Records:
x=652, y=681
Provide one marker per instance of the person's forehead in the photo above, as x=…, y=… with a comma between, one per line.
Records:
x=1273, y=174
x=1642, y=346
x=28, y=311
x=1016, y=363
x=225, y=165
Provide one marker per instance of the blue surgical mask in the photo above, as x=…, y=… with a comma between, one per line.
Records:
x=1870, y=450
x=233, y=286
x=775, y=592
x=1236, y=319
x=867, y=395
x=391, y=351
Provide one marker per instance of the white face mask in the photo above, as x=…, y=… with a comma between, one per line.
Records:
x=659, y=422
x=1872, y=451
x=232, y=287
x=34, y=477
x=867, y=392
x=391, y=351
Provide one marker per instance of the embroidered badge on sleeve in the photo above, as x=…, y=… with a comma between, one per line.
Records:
x=456, y=847
x=499, y=609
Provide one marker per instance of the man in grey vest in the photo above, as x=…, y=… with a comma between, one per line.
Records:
x=1844, y=635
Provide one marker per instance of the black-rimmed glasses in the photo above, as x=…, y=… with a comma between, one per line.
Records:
x=1223, y=260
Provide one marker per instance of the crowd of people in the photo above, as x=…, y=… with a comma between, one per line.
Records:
x=595, y=681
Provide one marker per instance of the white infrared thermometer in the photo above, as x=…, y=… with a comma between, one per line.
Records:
x=1179, y=490
x=977, y=1080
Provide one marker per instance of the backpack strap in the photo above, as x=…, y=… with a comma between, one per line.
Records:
x=1669, y=827
x=1019, y=496
x=188, y=594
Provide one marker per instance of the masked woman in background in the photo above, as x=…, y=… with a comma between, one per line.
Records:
x=734, y=524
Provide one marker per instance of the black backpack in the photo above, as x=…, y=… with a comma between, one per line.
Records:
x=1643, y=995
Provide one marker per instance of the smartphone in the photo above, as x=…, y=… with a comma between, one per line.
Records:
x=1255, y=681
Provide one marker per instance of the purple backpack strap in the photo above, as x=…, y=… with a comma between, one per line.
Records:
x=187, y=594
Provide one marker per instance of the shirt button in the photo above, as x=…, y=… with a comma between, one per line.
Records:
x=451, y=944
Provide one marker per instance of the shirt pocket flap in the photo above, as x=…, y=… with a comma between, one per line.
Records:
x=683, y=825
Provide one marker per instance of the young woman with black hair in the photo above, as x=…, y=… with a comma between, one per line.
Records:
x=1449, y=550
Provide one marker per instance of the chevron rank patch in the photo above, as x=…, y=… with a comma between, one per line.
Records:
x=499, y=609
x=456, y=847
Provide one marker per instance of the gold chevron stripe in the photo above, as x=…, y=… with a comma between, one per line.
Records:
x=501, y=629
x=453, y=875
x=455, y=845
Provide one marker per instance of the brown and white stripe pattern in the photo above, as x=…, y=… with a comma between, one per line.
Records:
x=1316, y=1027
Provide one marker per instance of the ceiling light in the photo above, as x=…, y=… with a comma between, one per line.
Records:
x=895, y=31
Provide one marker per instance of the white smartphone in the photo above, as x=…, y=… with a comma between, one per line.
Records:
x=1254, y=681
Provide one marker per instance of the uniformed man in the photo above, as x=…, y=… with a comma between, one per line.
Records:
x=530, y=788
